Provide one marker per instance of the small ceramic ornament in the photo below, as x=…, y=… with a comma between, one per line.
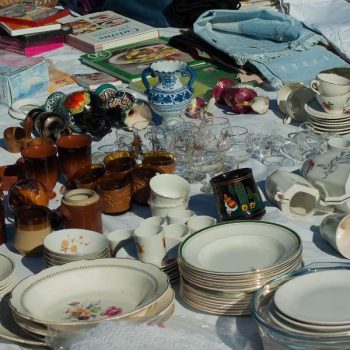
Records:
x=140, y=111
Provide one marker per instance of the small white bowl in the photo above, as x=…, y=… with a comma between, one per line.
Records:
x=75, y=242
x=168, y=190
x=338, y=143
x=164, y=210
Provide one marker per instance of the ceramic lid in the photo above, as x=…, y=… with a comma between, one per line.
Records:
x=329, y=173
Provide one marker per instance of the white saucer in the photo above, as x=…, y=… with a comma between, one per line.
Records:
x=313, y=108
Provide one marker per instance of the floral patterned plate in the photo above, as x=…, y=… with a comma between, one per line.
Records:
x=88, y=292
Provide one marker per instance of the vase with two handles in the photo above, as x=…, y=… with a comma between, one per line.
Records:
x=169, y=97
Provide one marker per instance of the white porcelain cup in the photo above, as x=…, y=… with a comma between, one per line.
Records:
x=330, y=84
x=335, y=104
x=335, y=229
x=168, y=190
x=338, y=143
x=155, y=220
x=118, y=238
x=198, y=222
x=293, y=194
x=179, y=216
x=161, y=210
x=175, y=234
x=150, y=243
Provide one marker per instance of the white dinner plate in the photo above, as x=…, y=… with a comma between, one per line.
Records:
x=240, y=247
x=7, y=270
x=320, y=298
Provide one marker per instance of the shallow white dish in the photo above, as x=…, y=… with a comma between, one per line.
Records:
x=98, y=290
x=240, y=247
x=73, y=242
x=321, y=298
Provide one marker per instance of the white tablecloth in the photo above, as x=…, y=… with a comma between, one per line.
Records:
x=237, y=332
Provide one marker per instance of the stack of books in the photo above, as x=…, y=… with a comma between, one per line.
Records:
x=30, y=30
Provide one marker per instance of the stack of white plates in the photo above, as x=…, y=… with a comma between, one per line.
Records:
x=76, y=295
x=314, y=304
x=327, y=122
x=7, y=275
x=68, y=245
x=222, y=266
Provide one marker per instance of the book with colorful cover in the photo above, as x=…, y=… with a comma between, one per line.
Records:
x=33, y=48
x=92, y=81
x=128, y=62
x=207, y=75
x=31, y=14
x=15, y=29
x=104, y=30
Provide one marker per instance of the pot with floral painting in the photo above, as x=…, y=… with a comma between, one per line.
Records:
x=169, y=97
x=237, y=195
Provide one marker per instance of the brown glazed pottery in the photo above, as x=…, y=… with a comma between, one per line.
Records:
x=237, y=195
x=87, y=176
x=74, y=152
x=165, y=161
x=115, y=193
x=40, y=163
x=13, y=138
x=140, y=177
x=82, y=208
x=28, y=192
x=10, y=174
x=32, y=225
x=119, y=163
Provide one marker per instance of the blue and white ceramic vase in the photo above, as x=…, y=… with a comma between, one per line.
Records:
x=169, y=97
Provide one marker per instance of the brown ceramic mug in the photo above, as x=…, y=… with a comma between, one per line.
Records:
x=87, y=176
x=115, y=193
x=40, y=163
x=164, y=161
x=74, y=152
x=119, y=163
x=141, y=175
x=32, y=225
x=81, y=208
x=13, y=138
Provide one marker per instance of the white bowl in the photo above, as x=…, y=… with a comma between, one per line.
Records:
x=163, y=211
x=75, y=242
x=168, y=190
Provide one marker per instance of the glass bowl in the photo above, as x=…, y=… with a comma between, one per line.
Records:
x=275, y=337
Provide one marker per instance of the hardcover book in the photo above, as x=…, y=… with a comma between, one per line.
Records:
x=92, y=81
x=30, y=14
x=15, y=29
x=104, y=30
x=128, y=62
x=33, y=48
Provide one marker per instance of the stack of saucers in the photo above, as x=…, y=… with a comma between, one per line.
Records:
x=85, y=293
x=223, y=265
x=7, y=275
x=327, y=122
x=68, y=245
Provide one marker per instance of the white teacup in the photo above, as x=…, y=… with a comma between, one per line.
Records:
x=155, y=220
x=150, y=243
x=338, y=143
x=179, y=216
x=161, y=210
x=175, y=234
x=293, y=194
x=168, y=190
x=330, y=84
x=334, y=104
x=198, y=222
x=118, y=238
x=335, y=229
